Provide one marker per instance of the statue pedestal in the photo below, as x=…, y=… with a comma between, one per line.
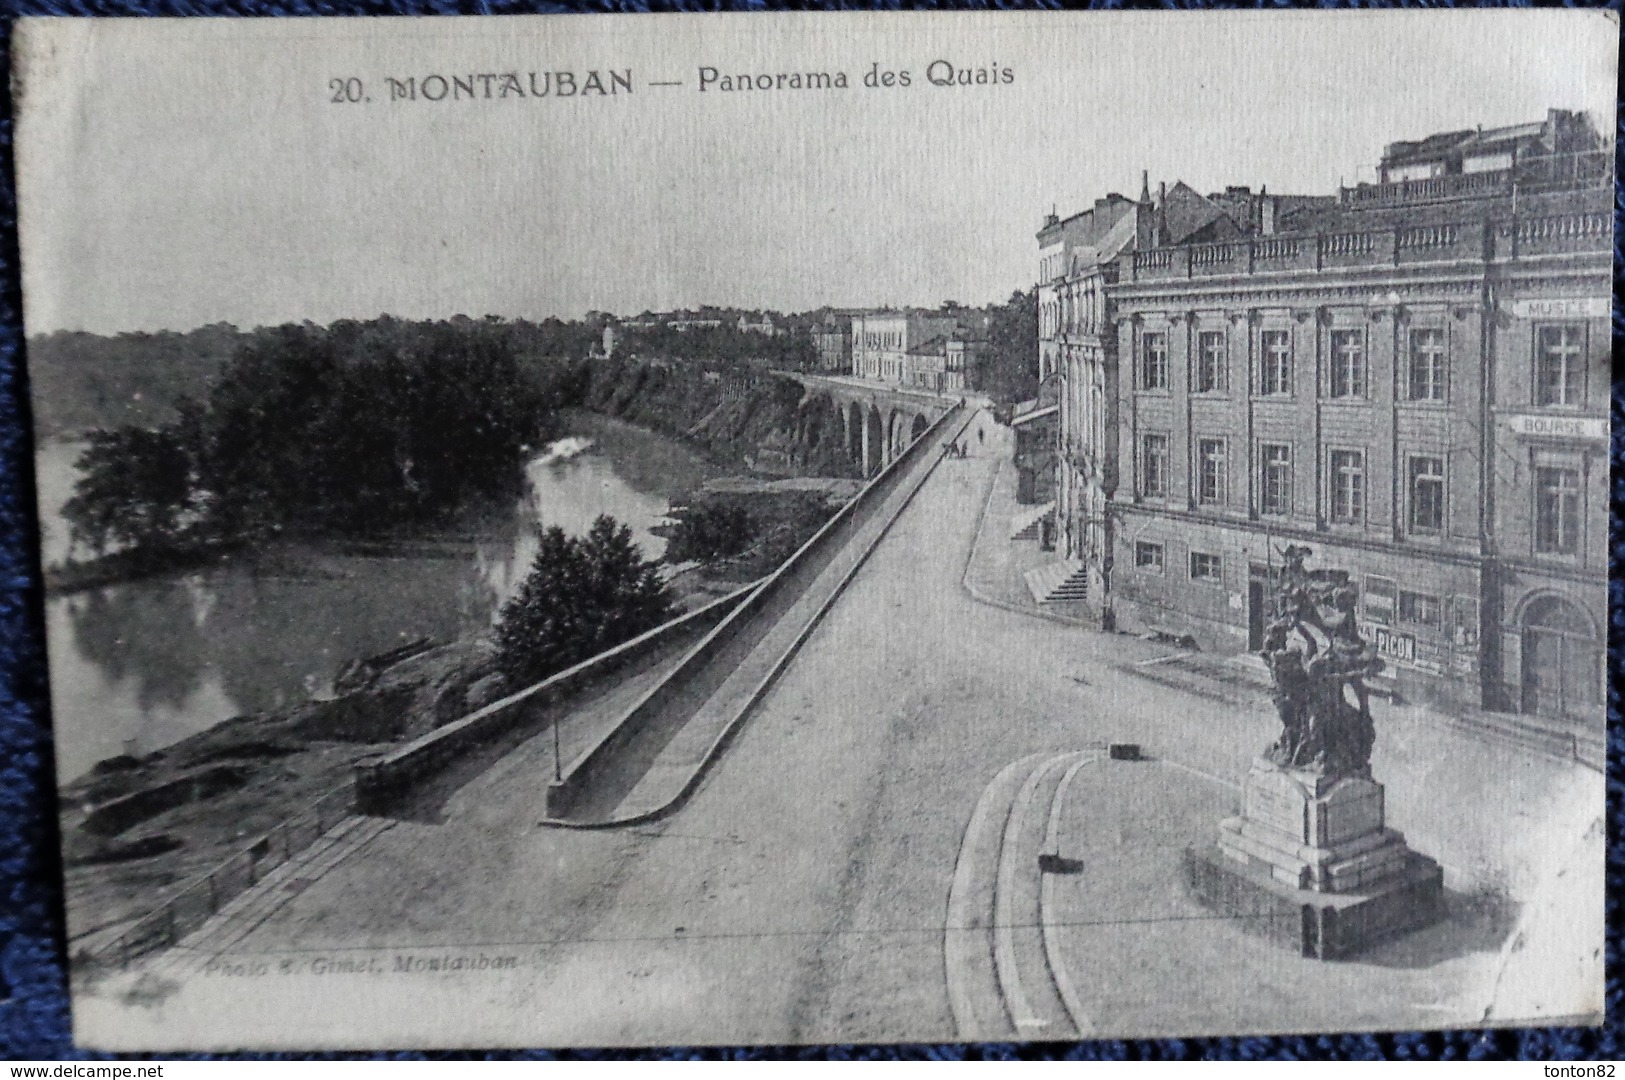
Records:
x=1310, y=863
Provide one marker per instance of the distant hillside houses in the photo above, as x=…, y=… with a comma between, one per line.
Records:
x=762, y=325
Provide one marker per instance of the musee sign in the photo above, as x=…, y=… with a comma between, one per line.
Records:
x=1562, y=307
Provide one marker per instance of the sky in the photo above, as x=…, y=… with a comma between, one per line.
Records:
x=174, y=173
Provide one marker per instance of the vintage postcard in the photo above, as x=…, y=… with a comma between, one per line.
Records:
x=805, y=528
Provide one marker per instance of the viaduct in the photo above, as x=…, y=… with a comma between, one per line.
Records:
x=874, y=422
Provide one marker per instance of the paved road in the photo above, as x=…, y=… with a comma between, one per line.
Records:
x=801, y=894
x=657, y=769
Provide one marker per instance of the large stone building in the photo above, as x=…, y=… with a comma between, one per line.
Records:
x=1078, y=384
x=1412, y=378
x=882, y=341
x=1078, y=341
x=945, y=364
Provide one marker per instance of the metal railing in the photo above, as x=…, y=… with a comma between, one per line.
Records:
x=193, y=904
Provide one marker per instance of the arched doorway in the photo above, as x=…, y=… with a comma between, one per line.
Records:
x=1562, y=662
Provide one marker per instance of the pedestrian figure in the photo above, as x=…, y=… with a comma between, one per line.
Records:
x=981, y=436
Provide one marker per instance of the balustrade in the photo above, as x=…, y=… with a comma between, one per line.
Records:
x=1583, y=231
x=1428, y=236
x=1564, y=227
x=1275, y=247
x=1210, y=254
x=1347, y=244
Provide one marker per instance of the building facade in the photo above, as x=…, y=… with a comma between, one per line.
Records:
x=1414, y=382
x=944, y=365
x=832, y=344
x=882, y=341
x=1078, y=373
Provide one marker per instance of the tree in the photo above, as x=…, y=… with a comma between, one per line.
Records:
x=706, y=530
x=134, y=489
x=1010, y=371
x=355, y=428
x=583, y=595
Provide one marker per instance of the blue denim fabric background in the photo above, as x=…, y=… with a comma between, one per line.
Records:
x=33, y=994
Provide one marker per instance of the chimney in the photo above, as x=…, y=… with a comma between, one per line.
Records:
x=1266, y=215
x=1145, y=185
x=1159, y=230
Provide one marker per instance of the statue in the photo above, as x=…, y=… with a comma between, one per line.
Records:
x=1316, y=656
x=1310, y=860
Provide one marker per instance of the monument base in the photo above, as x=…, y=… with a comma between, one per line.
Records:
x=1326, y=926
x=1311, y=864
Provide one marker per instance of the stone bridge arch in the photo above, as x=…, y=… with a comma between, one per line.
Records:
x=856, y=437
x=819, y=423
x=873, y=423
x=875, y=457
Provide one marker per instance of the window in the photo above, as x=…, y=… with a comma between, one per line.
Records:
x=1428, y=371
x=1379, y=599
x=1348, y=486
x=1557, y=511
x=1210, y=471
x=1419, y=609
x=1463, y=628
x=1275, y=480
x=1154, y=361
x=1205, y=567
x=1148, y=557
x=1275, y=372
x=1427, y=494
x=1211, y=376
x=1560, y=365
x=1348, y=364
x=1154, y=466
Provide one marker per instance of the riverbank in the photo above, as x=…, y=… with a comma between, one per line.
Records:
x=648, y=462
x=136, y=828
x=119, y=567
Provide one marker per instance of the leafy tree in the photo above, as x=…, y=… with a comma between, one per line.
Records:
x=1010, y=371
x=134, y=490
x=582, y=595
x=703, y=531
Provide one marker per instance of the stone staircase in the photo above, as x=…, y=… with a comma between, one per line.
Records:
x=1061, y=582
x=1028, y=523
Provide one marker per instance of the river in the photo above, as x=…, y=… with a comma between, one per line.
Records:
x=140, y=665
